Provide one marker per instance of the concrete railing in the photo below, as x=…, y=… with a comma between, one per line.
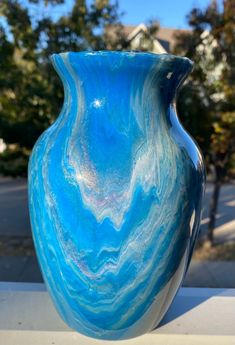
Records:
x=198, y=316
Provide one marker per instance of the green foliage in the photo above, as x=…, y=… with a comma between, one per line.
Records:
x=207, y=102
x=223, y=143
x=30, y=92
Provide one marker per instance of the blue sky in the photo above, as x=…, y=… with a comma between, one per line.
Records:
x=171, y=13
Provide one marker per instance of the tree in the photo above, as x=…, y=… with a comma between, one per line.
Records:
x=207, y=102
x=30, y=91
x=223, y=157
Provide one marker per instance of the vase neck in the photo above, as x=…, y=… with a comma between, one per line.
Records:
x=123, y=74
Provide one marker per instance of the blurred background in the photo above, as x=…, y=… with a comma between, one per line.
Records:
x=31, y=96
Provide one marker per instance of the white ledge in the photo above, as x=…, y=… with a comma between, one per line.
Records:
x=197, y=316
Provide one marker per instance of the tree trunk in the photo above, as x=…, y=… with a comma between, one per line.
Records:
x=213, y=209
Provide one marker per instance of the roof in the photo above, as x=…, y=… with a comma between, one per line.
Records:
x=165, y=35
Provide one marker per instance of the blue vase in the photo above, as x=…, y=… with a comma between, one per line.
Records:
x=115, y=192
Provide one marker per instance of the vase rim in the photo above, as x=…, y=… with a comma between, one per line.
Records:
x=129, y=54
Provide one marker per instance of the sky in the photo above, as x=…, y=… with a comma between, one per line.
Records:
x=170, y=13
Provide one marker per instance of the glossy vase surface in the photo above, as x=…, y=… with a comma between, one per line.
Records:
x=115, y=192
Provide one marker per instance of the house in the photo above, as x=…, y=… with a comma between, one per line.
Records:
x=164, y=41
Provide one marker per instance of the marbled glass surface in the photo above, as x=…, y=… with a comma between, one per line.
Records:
x=115, y=191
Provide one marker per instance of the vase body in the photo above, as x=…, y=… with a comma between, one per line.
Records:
x=115, y=192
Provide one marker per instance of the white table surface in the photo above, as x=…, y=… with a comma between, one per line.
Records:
x=197, y=316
